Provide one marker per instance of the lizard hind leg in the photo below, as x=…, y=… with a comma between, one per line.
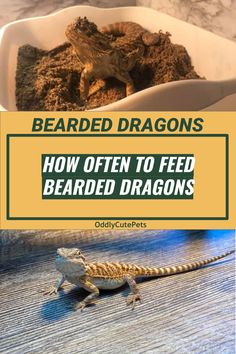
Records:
x=150, y=38
x=125, y=77
x=135, y=294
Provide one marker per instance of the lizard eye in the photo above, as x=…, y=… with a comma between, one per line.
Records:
x=77, y=254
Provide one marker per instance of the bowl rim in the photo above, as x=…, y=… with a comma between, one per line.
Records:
x=5, y=27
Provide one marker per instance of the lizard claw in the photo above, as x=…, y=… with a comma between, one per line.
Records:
x=81, y=305
x=132, y=298
x=84, y=106
x=50, y=291
x=83, y=102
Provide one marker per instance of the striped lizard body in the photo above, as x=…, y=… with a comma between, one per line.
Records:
x=109, y=269
x=71, y=263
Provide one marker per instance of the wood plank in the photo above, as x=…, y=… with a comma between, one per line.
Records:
x=185, y=313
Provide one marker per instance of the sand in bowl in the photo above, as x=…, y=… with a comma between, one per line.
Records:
x=49, y=80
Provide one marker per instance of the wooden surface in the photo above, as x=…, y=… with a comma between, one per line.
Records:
x=185, y=313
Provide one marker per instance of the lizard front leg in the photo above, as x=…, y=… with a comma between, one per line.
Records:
x=96, y=86
x=135, y=294
x=89, y=286
x=54, y=289
x=85, y=77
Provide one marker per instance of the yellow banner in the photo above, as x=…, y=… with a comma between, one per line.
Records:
x=156, y=170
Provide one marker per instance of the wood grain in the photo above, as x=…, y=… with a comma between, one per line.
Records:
x=185, y=313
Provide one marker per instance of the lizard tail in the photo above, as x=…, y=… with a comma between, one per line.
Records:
x=123, y=28
x=180, y=268
x=132, y=31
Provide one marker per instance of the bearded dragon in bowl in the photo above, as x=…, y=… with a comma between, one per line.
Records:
x=101, y=58
x=72, y=264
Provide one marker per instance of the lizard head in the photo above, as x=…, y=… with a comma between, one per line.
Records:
x=80, y=28
x=88, y=42
x=70, y=261
x=71, y=253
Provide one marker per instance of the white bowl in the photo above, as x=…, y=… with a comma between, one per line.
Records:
x=212, y=56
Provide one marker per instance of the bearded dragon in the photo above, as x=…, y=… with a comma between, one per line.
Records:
x=72, y=264
x=101, y=58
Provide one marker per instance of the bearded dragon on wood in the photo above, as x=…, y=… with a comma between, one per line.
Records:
x=101, y=58
x=72, y=264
